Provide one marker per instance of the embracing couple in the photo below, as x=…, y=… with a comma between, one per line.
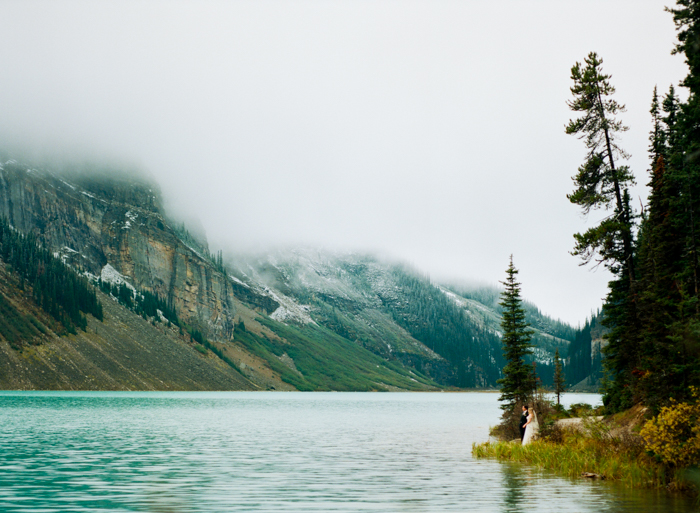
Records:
x=528, y=425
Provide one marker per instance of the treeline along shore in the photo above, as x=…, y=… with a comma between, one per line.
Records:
x=650, y=433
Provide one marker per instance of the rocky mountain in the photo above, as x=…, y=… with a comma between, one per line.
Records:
x=111, y=227
x=449, y=332
x=300, y=319
x=103, y=217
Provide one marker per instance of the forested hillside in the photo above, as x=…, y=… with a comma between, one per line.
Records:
x=584, y=366
x=549, y=334
x=398, y=313
x=109, y=228
x=55, y=287
x=433, y=318
x=109, y=347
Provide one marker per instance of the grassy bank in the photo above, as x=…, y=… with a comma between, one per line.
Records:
x=578, y=455
x=575, y=454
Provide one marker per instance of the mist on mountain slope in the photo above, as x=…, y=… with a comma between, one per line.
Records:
x=428, y=131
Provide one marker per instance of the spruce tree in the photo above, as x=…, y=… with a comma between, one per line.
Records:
x=669, y=275
x=660, y=256
x=518, y=382
x=687, y=19
x=559, y=382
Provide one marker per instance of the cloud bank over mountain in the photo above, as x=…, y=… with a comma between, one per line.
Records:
x=429, y=131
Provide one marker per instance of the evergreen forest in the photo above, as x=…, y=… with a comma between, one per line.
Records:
x=55, y=287
x=652, y=309
x=431, y=317
x=585, y=357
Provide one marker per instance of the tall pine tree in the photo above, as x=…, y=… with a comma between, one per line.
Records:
x=687, y=19
x=602, y=183
x=653, y=306
x=518, y=382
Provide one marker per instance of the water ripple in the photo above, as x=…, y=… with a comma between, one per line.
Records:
x=273, y=452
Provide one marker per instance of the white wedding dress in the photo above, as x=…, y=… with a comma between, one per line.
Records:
x=531, y=429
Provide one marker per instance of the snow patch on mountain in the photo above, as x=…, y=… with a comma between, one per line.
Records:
x=110, y=275
x=454, y=297
x=477, y=312
x=289, y=310
x=236, y=280
x=66, y=254
x=69, y=185
x=130, y=218
x=91, y=196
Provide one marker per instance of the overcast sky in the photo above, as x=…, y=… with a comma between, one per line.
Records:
x=432, y=131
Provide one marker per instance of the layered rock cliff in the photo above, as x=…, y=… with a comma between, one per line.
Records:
x=107, y=217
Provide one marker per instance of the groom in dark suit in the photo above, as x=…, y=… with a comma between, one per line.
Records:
x=523, y=421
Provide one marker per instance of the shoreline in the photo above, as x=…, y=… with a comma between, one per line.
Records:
x=594, y=448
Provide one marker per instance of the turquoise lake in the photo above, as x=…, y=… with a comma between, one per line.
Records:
x=276, y=451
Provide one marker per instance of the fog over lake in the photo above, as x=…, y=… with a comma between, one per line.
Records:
x=431, y=132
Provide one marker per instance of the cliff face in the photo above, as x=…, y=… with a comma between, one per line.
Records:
x=101, y=218
x=124, y=352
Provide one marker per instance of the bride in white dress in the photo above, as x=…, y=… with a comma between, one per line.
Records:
x=531, y=428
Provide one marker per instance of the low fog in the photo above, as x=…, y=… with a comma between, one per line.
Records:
x=430, y=132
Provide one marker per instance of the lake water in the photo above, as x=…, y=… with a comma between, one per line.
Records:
x=276, y=451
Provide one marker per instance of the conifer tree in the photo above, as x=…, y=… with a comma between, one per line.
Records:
x=559, y=382
x=660, y=258
x=518, y=382
x=687, y=19
x=669, y=296
x=653, y=306
x=601, y=181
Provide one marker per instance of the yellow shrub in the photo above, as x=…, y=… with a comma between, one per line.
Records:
x=674, y=434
